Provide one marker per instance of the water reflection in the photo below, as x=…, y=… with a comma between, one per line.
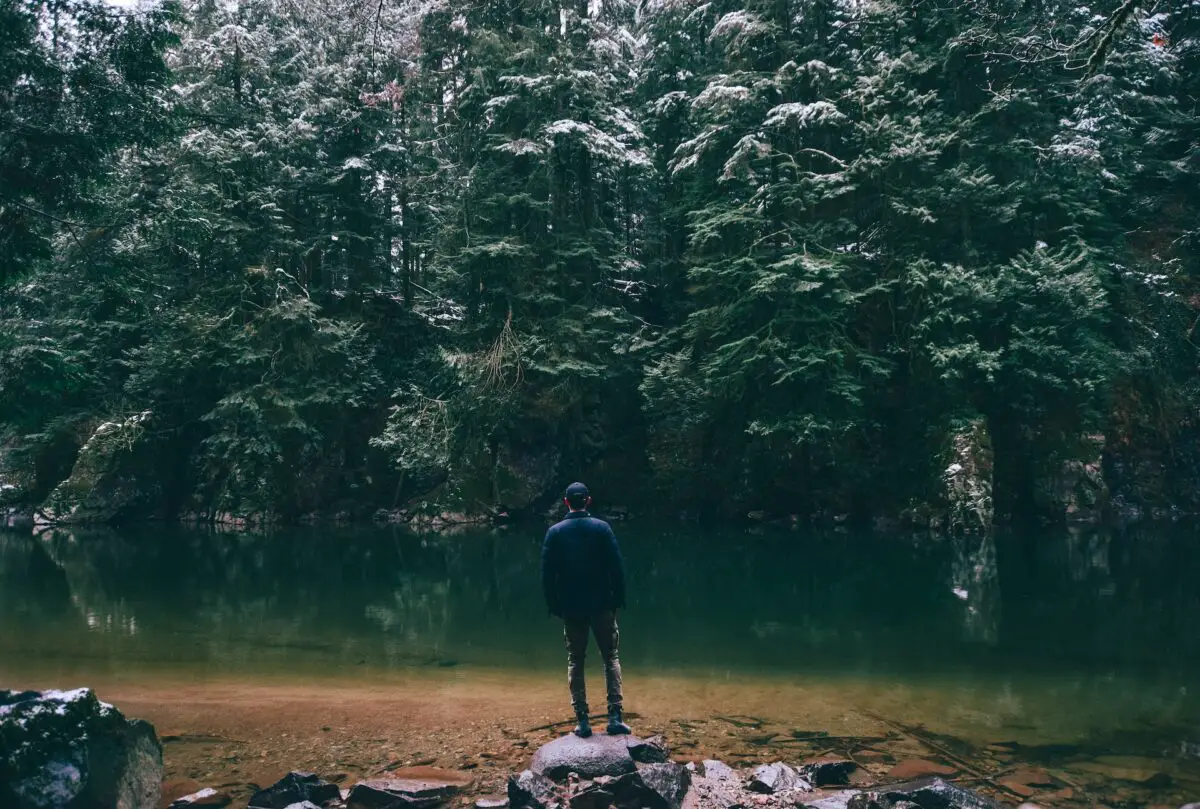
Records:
x=1110, y=617
x=975, y=581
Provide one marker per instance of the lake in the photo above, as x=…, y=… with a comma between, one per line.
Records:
x=352, y=649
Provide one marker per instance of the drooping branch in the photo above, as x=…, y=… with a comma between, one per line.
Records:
x=1115, y=24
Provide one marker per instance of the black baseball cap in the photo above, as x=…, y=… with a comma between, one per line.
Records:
x=577, y=494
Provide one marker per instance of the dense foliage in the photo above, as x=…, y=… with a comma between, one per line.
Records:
x=710, y=256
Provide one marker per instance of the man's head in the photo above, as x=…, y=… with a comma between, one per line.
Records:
x=577, y=497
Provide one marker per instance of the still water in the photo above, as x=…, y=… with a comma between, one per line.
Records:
x=1084, y=642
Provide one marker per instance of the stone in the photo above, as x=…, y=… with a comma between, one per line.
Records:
x=531, y=790
x=828, y=772
x=934, y=793
x=668, y=781
x=205, y=797
x=492, y=802
x=771, y=779
x=1027, y=781
x=597, y=755
x=110, y=478
x=176, y=788
x=606, y=790
x=648, y=751
x=919, y=768
x=713, y=793
x=295, y=787
x=868, y=800
x=717, y=770
x=968, y=479
x=397, y=792
x=70, y=749
x=834, y=800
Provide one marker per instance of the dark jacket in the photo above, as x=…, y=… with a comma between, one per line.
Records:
x=582, y=571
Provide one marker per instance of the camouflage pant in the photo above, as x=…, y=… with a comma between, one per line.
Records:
x=604, y=626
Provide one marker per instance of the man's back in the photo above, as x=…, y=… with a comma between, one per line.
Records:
x=582, y=571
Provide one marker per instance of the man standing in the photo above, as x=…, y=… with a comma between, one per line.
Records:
x=584, y=581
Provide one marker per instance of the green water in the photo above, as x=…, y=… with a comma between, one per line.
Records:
x=1082, y=637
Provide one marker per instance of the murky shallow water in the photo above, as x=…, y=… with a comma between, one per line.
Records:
x=1078, y=652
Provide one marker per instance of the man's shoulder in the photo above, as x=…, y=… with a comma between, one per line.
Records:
x=588, y=523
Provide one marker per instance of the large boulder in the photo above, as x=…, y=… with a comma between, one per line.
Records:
x=588, y=758
x=113, y=477
x=968, y=479
x=69, y=750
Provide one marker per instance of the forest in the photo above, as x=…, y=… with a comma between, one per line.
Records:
x=835, y=259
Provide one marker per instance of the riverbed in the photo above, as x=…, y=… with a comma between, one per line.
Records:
x=350, y=651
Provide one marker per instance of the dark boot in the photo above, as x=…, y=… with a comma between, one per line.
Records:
x=615, y=726
x=583, y=729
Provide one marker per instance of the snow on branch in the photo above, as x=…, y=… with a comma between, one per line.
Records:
x=737, y=23
x=803, y=116
x=720, y=97
x=596, y=142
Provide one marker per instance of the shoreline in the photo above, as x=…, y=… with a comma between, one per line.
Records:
x=238, y=736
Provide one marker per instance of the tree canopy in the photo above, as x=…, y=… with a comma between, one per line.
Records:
x=713, y=257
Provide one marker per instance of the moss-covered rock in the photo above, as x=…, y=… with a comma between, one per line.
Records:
x=110, y=479
x=69, y=750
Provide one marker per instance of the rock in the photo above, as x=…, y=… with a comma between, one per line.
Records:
x=934, y=793
x=648, y=751
x=113, y=476
x=669, y=781
x=714, y=793
x=395, y=793
x=205, y=797
x=70, y=749
x=530, y=790
x=605, y=791
x=828, y=772
x=295, y=787
x=771, y=779
x=968, y=479
x=1027, y=781
x=868, y=800
x=919, y=768
x=718, y=771
x=598, y=755
x=492, y=802
x=176, y=788
x=835, y=800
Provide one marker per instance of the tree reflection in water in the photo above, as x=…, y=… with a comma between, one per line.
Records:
x=975, y=582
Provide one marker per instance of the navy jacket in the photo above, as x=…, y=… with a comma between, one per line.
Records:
x=582, y=571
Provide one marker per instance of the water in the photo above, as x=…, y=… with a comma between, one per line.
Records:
x=1072, y=648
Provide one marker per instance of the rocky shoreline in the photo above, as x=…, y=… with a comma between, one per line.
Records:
x=69, y=750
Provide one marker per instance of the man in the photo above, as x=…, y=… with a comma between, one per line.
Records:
x=584, y=581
